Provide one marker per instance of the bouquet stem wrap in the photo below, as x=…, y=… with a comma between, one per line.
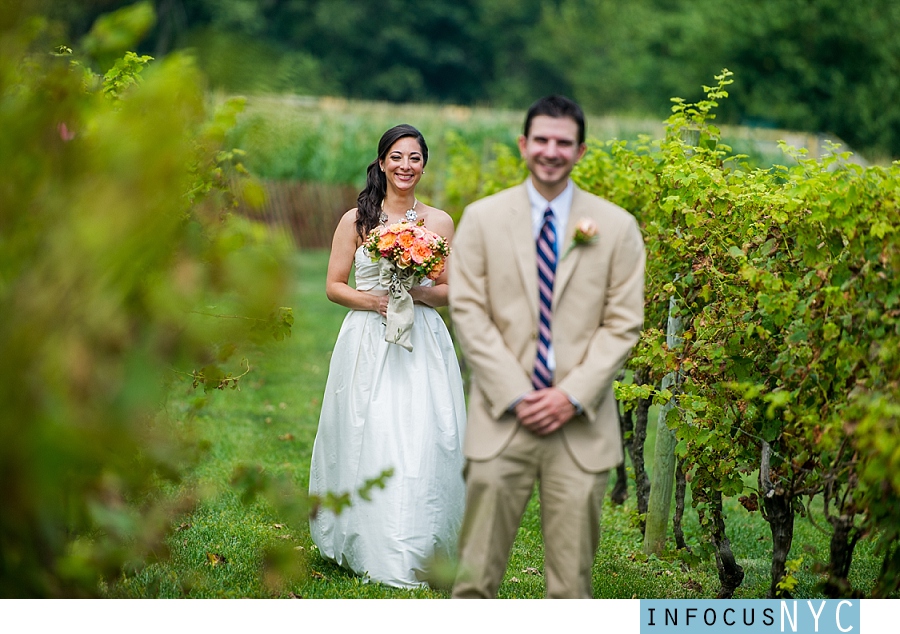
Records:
x=400, y=311
x=406, y=254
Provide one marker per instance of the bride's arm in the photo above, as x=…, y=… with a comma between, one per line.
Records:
x=437, y=295
x=433, y=296
x=343, y=250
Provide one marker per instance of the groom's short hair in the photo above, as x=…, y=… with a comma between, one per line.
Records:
x=556, y=106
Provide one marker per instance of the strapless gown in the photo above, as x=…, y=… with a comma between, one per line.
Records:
x=386, y=407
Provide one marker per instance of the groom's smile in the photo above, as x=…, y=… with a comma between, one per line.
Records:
x=551, y=150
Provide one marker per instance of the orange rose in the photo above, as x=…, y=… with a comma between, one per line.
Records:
x=386, y=241
x=406, y=239
x=420, y=251
x=405, y=260
x=436, y=270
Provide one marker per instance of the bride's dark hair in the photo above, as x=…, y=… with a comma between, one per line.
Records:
x=368, y=204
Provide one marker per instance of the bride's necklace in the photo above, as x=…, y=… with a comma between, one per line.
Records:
x=411, y=215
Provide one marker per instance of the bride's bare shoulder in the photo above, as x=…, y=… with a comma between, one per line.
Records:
x=440, y=221
x=349, y=216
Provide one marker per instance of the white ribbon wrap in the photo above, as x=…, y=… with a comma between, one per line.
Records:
x=400, y=310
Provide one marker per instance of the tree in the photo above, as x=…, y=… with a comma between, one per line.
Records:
x=826, y=66
x=816, y=65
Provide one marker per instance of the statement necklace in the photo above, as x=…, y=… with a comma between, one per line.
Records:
x=411, y=215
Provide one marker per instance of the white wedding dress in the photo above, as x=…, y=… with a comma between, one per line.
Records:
x=386, y=407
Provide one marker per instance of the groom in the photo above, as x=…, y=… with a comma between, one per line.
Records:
x=546, y=295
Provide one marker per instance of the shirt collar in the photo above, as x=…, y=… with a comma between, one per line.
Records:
x=561, y=206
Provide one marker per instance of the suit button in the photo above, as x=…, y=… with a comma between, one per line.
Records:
x=534, y=335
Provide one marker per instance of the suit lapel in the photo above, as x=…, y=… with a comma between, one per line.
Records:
x=520, y=234
x=566, y=266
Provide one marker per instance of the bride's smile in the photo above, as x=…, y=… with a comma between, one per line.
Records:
x=403, y=164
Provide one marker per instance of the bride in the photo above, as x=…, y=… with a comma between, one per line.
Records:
x=386, y=407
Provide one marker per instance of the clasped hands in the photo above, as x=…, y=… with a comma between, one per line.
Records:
x=544, y=411
x=381, y=300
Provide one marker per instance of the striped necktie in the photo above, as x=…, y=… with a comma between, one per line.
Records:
x=546, y=264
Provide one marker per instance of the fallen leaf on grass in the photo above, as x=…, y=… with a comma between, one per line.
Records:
x=514, y=580
x=690, y=584
x=531, y=570
x=291, y=595
x=278, y=526
x=750, y=503
x=660, y=573
x=182, y=527
x=284, y=537
x=215, y=559
x=286, y=437
x=282, y=405
x=315, y=574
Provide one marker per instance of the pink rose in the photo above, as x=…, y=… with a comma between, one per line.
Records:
x=585, y=231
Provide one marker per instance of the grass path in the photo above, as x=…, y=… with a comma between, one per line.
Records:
x=271, y=424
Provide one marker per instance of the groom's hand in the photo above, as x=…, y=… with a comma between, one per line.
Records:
x=544, y=411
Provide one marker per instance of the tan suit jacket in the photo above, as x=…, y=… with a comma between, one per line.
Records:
x=597, y=317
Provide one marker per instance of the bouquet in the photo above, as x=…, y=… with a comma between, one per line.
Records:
x=406, y=253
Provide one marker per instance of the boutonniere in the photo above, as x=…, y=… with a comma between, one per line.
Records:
x=585, y=233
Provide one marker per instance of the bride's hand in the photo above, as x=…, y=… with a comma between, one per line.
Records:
x=433, y=296
x=381, y=305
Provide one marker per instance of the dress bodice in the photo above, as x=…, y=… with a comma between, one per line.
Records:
x=367, y=277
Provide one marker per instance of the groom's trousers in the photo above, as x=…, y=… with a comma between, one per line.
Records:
x=497, y=492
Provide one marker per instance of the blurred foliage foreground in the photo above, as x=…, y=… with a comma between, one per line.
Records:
x=120, y=271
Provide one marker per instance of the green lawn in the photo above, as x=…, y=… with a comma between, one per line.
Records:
x=268, y=427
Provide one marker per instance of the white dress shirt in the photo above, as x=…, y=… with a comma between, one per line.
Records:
x=561, y=206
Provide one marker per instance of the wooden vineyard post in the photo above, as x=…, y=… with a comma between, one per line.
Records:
x=664, y=452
